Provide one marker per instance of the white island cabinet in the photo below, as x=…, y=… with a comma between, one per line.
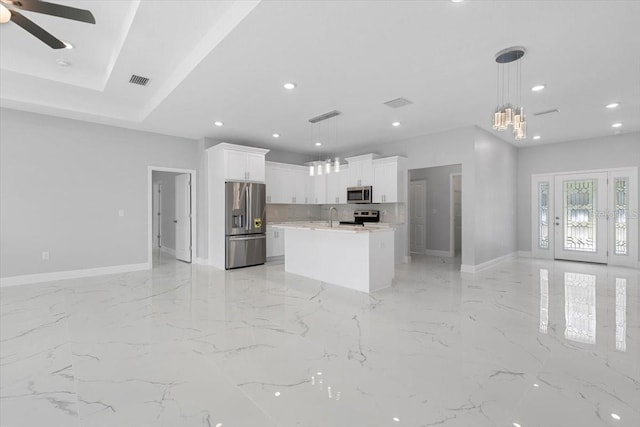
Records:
x=360, y=258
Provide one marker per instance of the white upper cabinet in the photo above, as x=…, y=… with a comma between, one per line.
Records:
x=389, y=180
x=317, y=189
x=243, y=163
x=360, y=170
x=286, y=184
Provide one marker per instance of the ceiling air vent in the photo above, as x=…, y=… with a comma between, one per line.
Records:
x=398, y=102
x=325, y=116
x=542, y=113
x=139, y=80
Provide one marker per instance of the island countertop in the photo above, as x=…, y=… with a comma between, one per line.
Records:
x=324, y=226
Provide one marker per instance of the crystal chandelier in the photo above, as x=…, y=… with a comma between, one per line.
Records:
x=506, y=114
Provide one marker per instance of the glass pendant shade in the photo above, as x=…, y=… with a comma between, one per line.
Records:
x=327, y=166
x=507, y=115
x=311, y=170
x=336, y=166
x=320, y=169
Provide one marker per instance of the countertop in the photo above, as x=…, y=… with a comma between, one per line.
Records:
x=324, y=226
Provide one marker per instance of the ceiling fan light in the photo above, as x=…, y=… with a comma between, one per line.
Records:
x=5, y=14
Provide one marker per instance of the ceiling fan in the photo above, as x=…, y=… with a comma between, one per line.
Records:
x=8, y=13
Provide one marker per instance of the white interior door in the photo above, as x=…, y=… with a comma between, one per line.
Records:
x=417, y=217
x=580, y=217
x=183, y=217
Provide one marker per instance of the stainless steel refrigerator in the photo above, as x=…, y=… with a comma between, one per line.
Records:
x=246, y=241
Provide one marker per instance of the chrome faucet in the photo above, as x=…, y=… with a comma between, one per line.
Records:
x=331, y=211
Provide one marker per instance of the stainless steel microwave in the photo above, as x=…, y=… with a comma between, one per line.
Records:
x=359, y=195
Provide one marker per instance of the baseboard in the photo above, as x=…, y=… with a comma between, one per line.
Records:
x=525, y=254
x=465, y=268
x=202, y=261
x=433, y=252
x=71, y=274
x=167, y=250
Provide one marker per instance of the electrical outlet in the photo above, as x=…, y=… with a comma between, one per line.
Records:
x=45, y=255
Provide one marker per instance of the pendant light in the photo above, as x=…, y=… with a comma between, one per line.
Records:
x=506, y=114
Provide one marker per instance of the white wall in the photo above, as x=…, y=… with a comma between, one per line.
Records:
x=62, y=184
x=167, y=207
x=495, y=197
x=614, y=151
x=438, y=198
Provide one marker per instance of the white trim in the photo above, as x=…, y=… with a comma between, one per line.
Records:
x=71, y=274
x=465, y=268
x=433, y=252
x=452, y=219
x=525, y=254
x=168, y=250
x=194, y=218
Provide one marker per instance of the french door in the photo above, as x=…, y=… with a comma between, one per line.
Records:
x=586, y=216
x=581, y=217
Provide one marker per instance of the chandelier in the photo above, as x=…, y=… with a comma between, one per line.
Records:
x=508, y=115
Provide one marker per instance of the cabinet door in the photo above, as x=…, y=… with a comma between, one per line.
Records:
x=235, y=165
x=255, y=167
x=271, y=242
x=385, y=182
x=354, y=174
x=319, y=189
x=366, y=173
x=281, y=192
x=343, y=183
x=270, y=175
x=299, y=181
x=279, y=243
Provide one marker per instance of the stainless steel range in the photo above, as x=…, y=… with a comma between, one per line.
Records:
x=360, y=217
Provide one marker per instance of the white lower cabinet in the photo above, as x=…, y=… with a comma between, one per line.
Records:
x=275, y=242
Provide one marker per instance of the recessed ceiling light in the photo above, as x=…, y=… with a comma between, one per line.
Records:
x=276, y=135
x=218, y=123
x=67, y=45
x=536, y=137
x=63, y=63
x=318, y=144
x=396, y=419
x=612, y=105
x=616, y=125
x=538, y=88
x=395, y=124
x=536, y=384
x=289, y=86
x=516, y=425
x=276, y=394
x=615, y=416
x=457, y=1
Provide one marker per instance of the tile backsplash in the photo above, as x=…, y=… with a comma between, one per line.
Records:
x=394, y=213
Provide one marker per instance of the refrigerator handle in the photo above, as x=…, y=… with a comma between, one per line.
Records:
x=247, y=207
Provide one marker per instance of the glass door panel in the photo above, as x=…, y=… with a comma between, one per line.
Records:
x=581, y=218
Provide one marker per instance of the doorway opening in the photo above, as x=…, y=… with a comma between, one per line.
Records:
x=171, y=213
x=435, y=211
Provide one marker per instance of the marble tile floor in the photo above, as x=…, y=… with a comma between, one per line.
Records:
x=527, y=343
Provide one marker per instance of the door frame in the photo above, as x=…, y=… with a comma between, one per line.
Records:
x=194, y=222
x=630, y=260
x=452, y=219
x=411, y=202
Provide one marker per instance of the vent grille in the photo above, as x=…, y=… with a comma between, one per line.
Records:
x=325, y=116
x=398, y=102
x=139, y=80
x=542, y=113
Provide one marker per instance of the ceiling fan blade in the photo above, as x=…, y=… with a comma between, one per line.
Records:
x=36, y=30
x=54, y=9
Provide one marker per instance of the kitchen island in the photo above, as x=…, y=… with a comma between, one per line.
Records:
x=356, y=257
